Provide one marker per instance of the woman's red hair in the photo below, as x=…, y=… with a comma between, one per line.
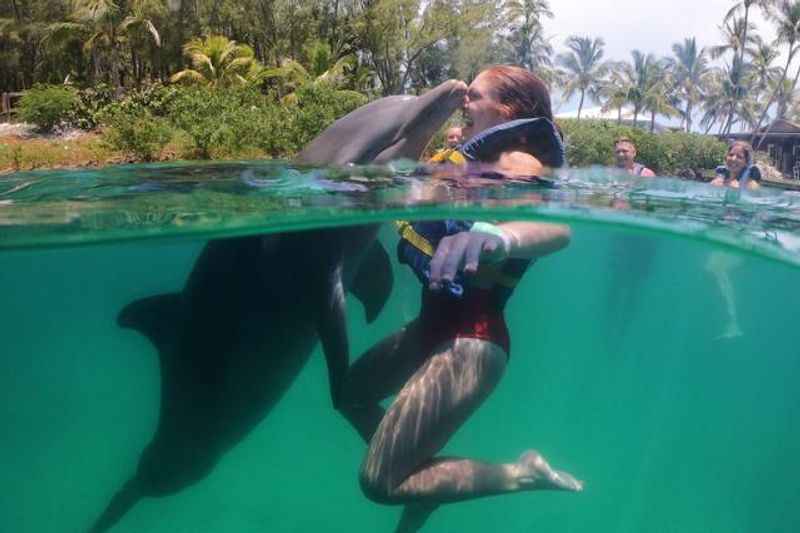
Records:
x=520, y=91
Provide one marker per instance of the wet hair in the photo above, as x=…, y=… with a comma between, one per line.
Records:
x=524, y=95
x=746, y=148
x=520, y=91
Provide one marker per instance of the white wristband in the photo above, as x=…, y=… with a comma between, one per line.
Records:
x=485, y=227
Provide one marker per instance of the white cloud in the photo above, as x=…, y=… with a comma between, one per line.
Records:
x=626, y=25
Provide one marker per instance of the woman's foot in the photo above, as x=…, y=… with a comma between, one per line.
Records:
x=534, y=473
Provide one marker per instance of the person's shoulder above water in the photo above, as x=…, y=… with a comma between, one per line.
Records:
x=518, y=163
x=646, y=172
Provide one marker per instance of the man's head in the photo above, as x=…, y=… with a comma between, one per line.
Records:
x=624, y=152
x=454, y=137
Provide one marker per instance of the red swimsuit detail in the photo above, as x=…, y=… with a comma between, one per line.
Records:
x=476, y=315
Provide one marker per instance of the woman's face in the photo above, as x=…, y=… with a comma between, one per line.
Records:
x=481, y=110
x=736, y=160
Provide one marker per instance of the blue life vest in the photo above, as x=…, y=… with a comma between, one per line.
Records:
x=538, y=136
x=419, y=240
x=752, y=172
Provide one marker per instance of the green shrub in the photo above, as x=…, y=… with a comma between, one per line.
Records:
x=217, y=121
x=139, y=133
x=47, y=106
x=234, y=121
x=155, y=98
x=317, y=107
x=89, y=104
x=591, y=142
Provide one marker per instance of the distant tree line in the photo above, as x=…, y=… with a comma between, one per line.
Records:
x=378, y=47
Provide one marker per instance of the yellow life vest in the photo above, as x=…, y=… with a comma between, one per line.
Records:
x=448, y=155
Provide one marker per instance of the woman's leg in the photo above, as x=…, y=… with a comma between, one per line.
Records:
x=379, y=373
x=451, y=384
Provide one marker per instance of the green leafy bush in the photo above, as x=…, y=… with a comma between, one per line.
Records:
x=219, y=122
x=136, y=132
x=47, y=106
x=89, y=104
x=223, y=123
x=591, y=142
x=317, y=107
x=155, y=98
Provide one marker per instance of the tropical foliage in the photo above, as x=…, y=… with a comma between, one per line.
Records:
x=377, y=47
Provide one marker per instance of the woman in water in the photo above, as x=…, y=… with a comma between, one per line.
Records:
x=738, y=170
x=448, y=360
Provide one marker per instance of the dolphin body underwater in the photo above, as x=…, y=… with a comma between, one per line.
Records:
x=235, y=338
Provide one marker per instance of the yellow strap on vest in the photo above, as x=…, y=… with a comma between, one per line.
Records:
x=407, y=232
x=490, y=273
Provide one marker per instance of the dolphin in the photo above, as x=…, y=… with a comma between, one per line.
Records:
x=253, y=309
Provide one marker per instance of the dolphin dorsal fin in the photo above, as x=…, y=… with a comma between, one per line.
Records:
x=155, y=317
x=373, y=282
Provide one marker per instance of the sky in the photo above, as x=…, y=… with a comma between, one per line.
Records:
x=653, y=27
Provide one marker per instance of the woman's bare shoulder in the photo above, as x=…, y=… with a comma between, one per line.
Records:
x=520, y=164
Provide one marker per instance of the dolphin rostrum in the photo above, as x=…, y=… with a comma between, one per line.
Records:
x=234, y=339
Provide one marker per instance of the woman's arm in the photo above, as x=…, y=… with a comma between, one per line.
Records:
x=530, y=240
x=494, y=244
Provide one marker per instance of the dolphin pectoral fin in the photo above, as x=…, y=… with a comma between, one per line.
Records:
x=121, y=503
x=332, y=330
x=373, y=282
x=155, y=317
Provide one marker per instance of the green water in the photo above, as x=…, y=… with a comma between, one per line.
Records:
x=621, y=370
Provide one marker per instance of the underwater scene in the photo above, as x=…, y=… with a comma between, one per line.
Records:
x=655, y=358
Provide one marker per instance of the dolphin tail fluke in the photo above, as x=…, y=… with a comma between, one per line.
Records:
x=121, y=503
x=373, y=281
x=155, y=317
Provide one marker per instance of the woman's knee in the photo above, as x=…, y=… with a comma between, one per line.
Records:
x=375, y=488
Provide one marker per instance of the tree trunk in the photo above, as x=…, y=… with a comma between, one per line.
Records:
x=792, y=51
x=619, y=116
x=741, y=61
x=710, y=125
x=652, y=122
x=580, y=105
x=688, y=116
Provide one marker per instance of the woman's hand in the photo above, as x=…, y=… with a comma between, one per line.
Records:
x=719, y=181
x=464, y=251
x=467, y=249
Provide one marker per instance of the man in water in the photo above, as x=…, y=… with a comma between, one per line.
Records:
x=625, y=154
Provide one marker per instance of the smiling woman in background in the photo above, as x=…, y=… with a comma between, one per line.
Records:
x=738, y=170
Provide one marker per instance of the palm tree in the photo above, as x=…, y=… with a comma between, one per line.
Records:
x=616, y=88
x=762, y=73
x=217, y=61
x=657, y=95
x=745, y=5
x=141, y=30
x=737, y=36
x=102, y=27
x=584, y=68
x=720, y=100
x=641, y=76
x=530, y=47
x=324, y=68
x=690, y=70
x=786, y=17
